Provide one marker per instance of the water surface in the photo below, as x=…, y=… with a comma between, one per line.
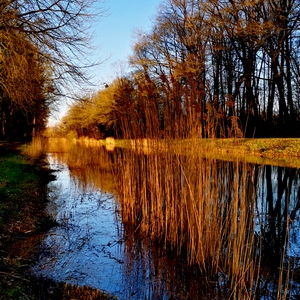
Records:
x=164, y=226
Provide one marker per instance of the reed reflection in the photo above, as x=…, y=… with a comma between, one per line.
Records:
x=90, y=167
x=230, y=219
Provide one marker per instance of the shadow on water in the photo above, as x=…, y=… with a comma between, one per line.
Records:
x=169, y=226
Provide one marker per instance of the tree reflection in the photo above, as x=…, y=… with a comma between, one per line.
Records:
x=281, y=208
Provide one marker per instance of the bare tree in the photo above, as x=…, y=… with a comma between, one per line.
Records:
x=59, y=28
x=49, y=38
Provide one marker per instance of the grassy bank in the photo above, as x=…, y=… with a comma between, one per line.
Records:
x=23, y=223
x=287, y=147
x=22, y=220
x=281, y=152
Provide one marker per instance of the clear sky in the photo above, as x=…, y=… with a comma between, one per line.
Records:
x=116, y=30
x=114, y=38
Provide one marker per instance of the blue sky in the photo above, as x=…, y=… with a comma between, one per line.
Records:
x=115, y=31
x=114, y=37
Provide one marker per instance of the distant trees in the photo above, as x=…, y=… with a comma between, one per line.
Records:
x=42, y=47
x=214, y=69
x=95, y=115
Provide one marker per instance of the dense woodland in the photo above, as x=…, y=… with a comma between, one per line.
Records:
x=207, y=69
x=42, y=51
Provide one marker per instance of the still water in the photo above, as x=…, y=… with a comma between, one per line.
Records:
x=86, y=248
x=166, y=226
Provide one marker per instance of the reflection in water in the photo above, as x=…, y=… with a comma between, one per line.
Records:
x=279, y=204
x=184, y=227
x=231, y=219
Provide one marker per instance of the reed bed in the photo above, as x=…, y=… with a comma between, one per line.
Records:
x=190, y=209
x=279, y=152
x=59, y=145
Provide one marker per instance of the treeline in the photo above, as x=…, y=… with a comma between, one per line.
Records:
x=42, y=46
x=207, y=69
